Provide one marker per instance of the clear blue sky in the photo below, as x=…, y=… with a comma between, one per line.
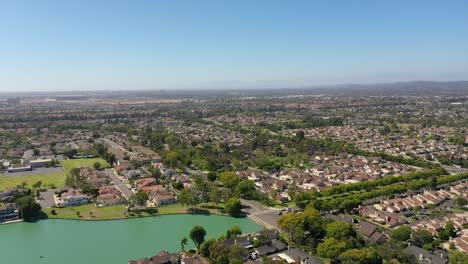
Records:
x=151, y=44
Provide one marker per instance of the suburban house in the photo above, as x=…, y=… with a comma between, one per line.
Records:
x=425, y=257
x=39, y=163
x=72, y=197
x=19, y=167
x=109, y=199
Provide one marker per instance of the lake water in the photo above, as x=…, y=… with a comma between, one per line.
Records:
x=106, y=242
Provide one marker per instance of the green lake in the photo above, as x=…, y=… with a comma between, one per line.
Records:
x=106, y=242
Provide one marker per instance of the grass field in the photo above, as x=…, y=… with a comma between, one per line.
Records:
x=68, y=165
x=56, y=179
x=90, y=212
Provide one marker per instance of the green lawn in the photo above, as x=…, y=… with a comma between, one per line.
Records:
x=68, y=165
x=90, y=212
x=57, y=179
x=115, y=212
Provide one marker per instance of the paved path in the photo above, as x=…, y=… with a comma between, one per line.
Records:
x=262, y=215
x=47, y=200
x=122, y=186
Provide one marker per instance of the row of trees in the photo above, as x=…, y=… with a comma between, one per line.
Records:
x=346, y=197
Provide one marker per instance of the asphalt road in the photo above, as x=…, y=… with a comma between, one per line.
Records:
x=265, y=216
x=122, y=186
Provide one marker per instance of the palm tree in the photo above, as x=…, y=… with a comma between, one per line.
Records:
x=183, y=243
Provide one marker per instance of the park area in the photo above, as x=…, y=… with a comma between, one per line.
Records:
x=49, y=180
x=91, y=212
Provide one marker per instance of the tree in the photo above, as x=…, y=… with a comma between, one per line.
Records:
x=202, y=188
x=233, y=207
x=340, y=231
x=183, y=243
x=212, y=176
x=434, y=183
x=361, y=256
x=155, y=172
x=97, y=165
x=205, y=247
x=197, y=234
x=289, y=223
x=246, y=189
x=37, y=185
x=28, y=207
x=111, y=159
x=188, y=198
x=458, y=257
x=139, y=198
x=215, y=195
x=300, y=135
x=233, y=232
x=236, y=252
x=69, y=152
x=401, y=233
x=229, y=179
x=422, y=237
x=448, y=231
x=460, y=201
x=331, y=248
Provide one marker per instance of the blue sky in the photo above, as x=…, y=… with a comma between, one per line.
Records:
x=196, y=44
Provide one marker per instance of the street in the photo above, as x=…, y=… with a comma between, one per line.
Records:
x=262, y=215
x=122, y=186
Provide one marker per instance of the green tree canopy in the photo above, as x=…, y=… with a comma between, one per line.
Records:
x=233, y=232
x=233, y=207
x=197, y=234
x=331, y=248
x=229, y=179
x=361, y=256
x=340, y=231
x=28, y=207
x=401, y=233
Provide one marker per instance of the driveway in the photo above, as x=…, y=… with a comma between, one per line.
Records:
x=122, y=186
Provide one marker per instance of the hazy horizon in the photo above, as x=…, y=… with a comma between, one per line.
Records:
x=184, y=45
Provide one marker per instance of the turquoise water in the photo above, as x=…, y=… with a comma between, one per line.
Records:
x=106, y=242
